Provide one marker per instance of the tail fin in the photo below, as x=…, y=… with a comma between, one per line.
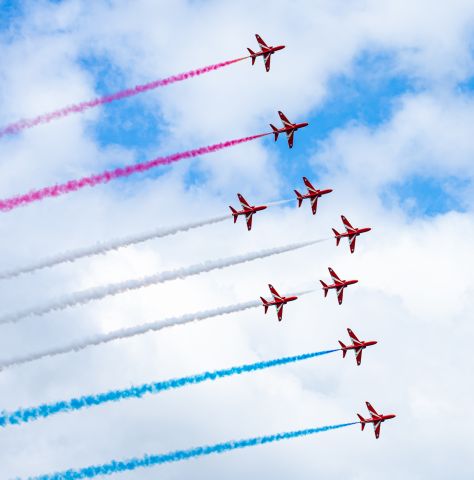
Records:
x=343, y=348
x=337, y=235
x=299, y=197
x=265, y=304
x=362, y=421
x=275, y=131
x=234, y=213
x=252, y=54
x=325, y=288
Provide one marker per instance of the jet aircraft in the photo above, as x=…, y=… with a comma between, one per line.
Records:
x=288, y=128
x=339, y=285
x=247, y=210
x=313, y=194
x=376, y=419
x=351, y=233
x=265, y=51
x=278, y=301
x=357, y=346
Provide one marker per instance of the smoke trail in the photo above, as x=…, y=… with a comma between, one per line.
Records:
x=102, y=248
x=116, y=466
x=98, y=339
x=25, y=415
x=130, y=92
x=105, y=177
x=280, y=202
x=97, y=293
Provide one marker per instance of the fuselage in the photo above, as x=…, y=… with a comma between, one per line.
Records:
x=380, y=418
x=361, y=345
x=270, y=50
x=282, y=301
x=318, y=193
x=293, y=127
x=254, y=209
x=342, y=284
x=356, y=232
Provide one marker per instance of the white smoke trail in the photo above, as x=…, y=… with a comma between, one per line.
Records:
x=133, y=331
x=114, y=244
x=97, y=293
x=104, y=247
x=280, y=202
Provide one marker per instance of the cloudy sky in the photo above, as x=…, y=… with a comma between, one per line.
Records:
x=388, y=89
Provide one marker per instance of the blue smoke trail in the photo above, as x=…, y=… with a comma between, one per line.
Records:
x=116, y=466
x=25, y=415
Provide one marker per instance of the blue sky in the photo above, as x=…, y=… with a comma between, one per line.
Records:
x=367, y=96
x=11, y=10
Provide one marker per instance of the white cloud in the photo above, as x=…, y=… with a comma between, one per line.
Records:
x=415, y=289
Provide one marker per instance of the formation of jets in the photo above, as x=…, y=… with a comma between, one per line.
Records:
x=351, y=233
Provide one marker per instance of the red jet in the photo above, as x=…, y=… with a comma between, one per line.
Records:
x=313, y=194
x=278, y=301
x=247, y=210
x=376, y=419
x=338, y=284
x=357, y=346
x=265, y=51
x=288, y=128
x=351, y=233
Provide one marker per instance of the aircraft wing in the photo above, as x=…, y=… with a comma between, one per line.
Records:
x=334, y=276
x=285, y=121
x=353, y=335
x=309, y=185
x=290, y=134
x=358, y=354
x=280, y=311
x=267, y=58
x=340, y=295
x=275, y=294
x=377, y=429
x=242, y=201
x=314, y=204
x=347, y=224
x=371, y=409
x=248, y=217
x=352, y=243
x=261, y=43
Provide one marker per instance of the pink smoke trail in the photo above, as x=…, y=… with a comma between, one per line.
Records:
x=105, y=177
x=129, y=92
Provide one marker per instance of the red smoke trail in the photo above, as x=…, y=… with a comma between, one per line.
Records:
x=108, y=175
x=130, y=92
